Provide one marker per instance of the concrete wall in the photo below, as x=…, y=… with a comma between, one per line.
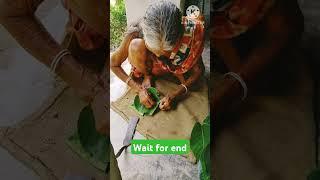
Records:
x=311, y=42
x=136, y=9
x=311, y=10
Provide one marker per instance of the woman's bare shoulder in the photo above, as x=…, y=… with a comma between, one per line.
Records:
x=134, y=31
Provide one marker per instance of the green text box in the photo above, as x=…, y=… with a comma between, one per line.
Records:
x=160, y=146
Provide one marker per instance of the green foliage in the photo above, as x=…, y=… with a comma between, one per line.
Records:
x=200, y=137
x=75, y=145
x=118, y=23
x=94, y=143
x=205, y=164
x=141, y=109
x=200, y=146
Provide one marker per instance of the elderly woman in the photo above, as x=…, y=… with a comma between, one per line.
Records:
x=161, y=43
x=263, y=105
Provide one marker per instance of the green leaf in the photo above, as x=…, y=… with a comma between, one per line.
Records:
x=141, y=109
x=200, y=137
x=74, y=143
x=199, y=144
x=205, y=164
x=94, y=143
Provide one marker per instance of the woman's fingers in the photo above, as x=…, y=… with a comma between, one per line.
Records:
x=150, y=99
x=161, y=105
x=151, y=102
x=146, y=103
x=165, y=104
x=146, y=99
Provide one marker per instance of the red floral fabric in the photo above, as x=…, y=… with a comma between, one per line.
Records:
x=186, y=52
x=238, y=17
x=87, y=37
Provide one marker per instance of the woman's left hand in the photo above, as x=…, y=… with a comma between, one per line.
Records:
x=165, y=103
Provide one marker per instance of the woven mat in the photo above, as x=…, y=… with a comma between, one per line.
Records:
x=173, y=124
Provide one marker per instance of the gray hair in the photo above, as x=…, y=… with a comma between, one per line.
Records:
x=161, y=25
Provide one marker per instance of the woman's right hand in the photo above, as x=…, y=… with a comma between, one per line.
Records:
x=145, y=98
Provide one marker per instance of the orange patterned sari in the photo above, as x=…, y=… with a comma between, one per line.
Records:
x=238, y=16
x=186, y=53
x=89, y=34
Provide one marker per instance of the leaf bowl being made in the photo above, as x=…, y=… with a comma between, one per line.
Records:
x=141, y=109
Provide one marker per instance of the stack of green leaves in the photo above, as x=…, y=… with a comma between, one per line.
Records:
x=200, y=146
x=141, y=109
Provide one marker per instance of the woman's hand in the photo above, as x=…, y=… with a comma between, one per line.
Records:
x=145, y=98
x=165, y=103
x=226, y=94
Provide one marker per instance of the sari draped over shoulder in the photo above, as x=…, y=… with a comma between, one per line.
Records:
x=88, y=21
x=186, y=52
x=189, y=48
x=237, y=16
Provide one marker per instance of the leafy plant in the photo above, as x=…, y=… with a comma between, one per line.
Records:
x=94, y=143
x=118, y=23
x=141, y=109
x=205, y=164
x=200, y=146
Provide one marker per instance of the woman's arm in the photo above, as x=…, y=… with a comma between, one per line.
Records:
x=19, y=19
x=228, y=53
x=119, y=56
x=195, y=74
x=281, y=28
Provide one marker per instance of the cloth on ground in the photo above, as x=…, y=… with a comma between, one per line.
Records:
x=271, y=138
x=75, y=145
x=42, y=141
x=174, y=124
